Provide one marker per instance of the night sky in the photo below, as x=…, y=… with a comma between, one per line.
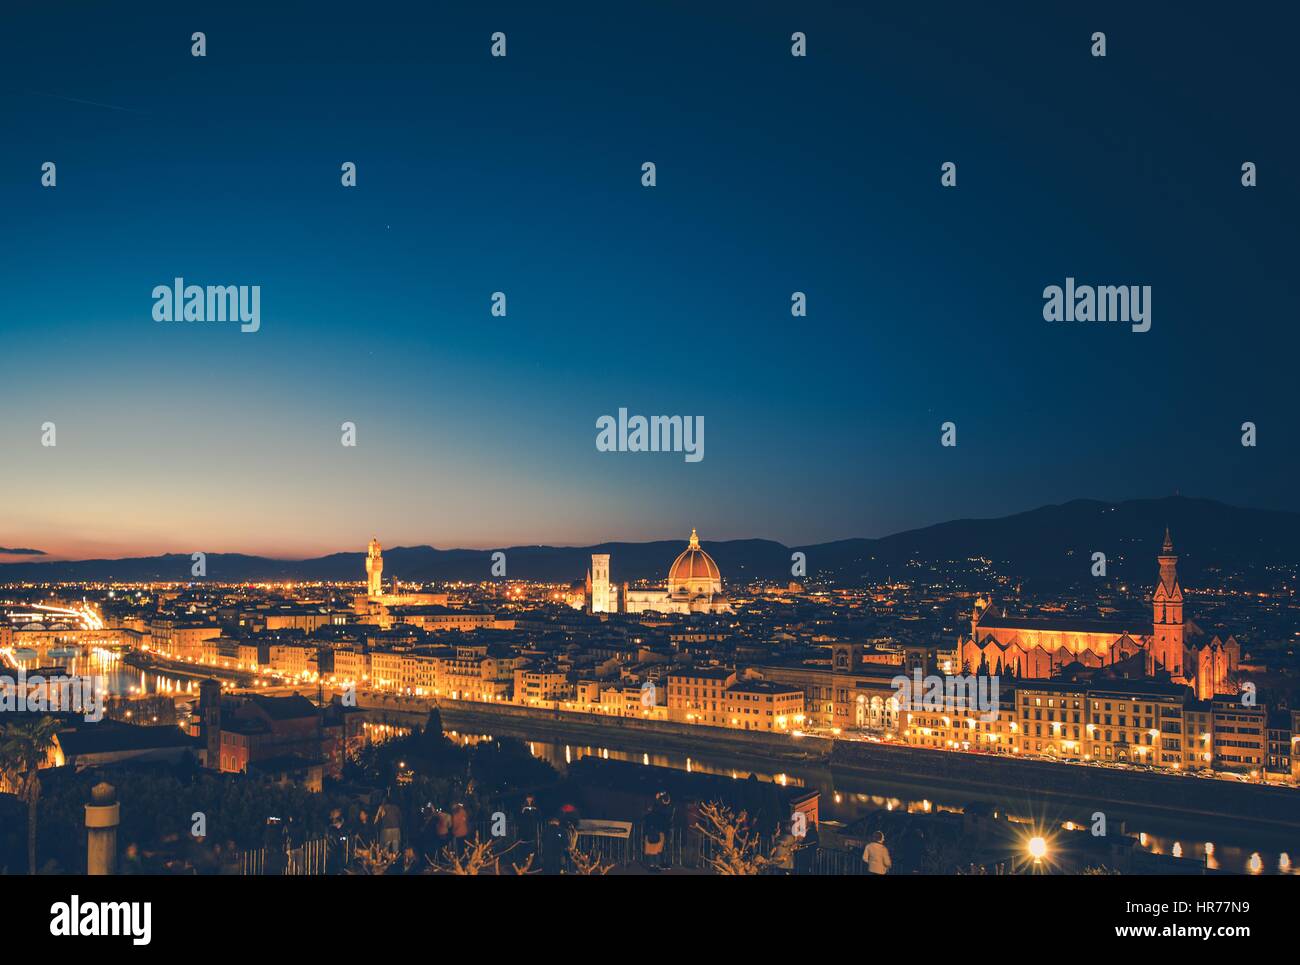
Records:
x=775, y=174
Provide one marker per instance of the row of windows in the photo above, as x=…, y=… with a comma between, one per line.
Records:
x=1063, y=703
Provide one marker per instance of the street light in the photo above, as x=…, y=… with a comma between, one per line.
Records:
x=1037, y=847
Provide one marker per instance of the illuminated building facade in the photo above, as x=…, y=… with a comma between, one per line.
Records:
x=441, y=618
x=961, y=725
x=697, y=695
x=1036, y=648
x=180, y=639
x=763, y=705
x=541, y=686
x=713, y=696
x=1238, y=734
x=292, y=660
x=475, y=674
x=1133, y=721
x=855, y=692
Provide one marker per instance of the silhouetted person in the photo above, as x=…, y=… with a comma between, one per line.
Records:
x=336, y=845
x=273, y=848
x=555, y=845
x=805, y=857
x=389, y=819
x=530, y=817
x=656, y=828
x=911, y=850
x=459, y=829
x=132, y=863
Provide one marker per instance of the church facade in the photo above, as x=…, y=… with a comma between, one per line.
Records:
x=1040, y=648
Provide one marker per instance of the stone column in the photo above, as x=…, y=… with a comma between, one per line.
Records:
x=102, y=816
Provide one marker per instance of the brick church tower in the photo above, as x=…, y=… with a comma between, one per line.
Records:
x=1167, y=603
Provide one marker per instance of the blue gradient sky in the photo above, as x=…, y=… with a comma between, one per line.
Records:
x=522, y=175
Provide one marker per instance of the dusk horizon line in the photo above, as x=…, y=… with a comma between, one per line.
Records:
x=32, y=556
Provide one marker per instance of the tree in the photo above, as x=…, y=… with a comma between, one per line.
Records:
x=372, y=860
x=24, y=747
x=736, y=844
x=477, y=857
x=585, y=863
x=433, y=740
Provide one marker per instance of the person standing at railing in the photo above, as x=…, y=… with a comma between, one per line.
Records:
x=805, y=856
x=359, y=829
x=658, y=826
x=295, y=847
x=441, y=833
x=530, y=817
x=555, y=846
x=876, y=855
x=231, y=859
x=274, y=852
x=528, y=827
x=459, y=829
x=336, y=845
x=389, y=820
x=692, y=838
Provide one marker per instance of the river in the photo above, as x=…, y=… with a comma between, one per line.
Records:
x=119, y=678
x=846, y=798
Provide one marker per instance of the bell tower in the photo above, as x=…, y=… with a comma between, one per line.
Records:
x=1167, y=604
x=598, y=593
x=374, y=570
x=210, y=718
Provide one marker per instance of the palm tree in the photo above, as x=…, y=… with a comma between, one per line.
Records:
x=24, y=747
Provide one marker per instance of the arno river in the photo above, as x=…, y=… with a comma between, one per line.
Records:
x=845, y=798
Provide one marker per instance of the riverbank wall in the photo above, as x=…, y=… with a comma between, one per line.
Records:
x=1114, y=791
x=626, y=733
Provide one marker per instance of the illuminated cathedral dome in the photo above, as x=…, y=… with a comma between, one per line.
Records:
x=694, y=573
x=694, y=586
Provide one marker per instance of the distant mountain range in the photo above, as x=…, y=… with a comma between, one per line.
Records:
x=1053, y=543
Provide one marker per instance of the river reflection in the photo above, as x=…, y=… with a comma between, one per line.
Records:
x=120, y=678
x=846, y=799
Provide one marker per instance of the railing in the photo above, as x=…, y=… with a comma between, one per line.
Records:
x=683, y=849
x=308, y=858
